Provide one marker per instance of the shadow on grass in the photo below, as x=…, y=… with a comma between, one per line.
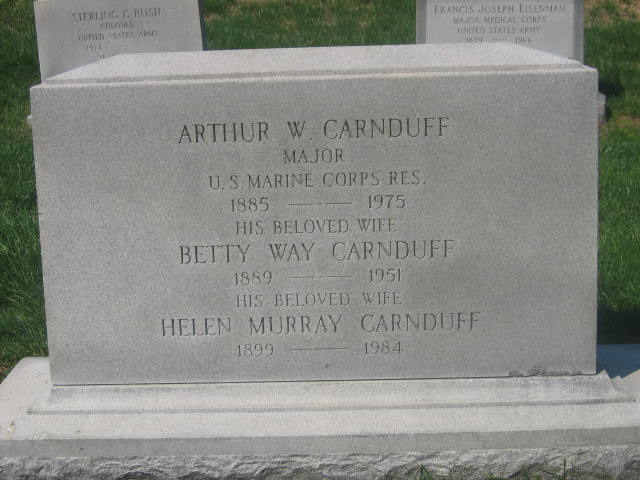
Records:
x=610, y=88
x=618, y=326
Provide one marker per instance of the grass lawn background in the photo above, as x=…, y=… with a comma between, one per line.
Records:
x=612, y=45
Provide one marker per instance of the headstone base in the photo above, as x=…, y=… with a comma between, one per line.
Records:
x=329, y=429
x=617, y=462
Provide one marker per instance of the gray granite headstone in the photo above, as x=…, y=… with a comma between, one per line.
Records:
x=554, y=26
x=359, y=222
x=319, y=214
x=72, y=33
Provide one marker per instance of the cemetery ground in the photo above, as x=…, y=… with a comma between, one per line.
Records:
x=612, y=45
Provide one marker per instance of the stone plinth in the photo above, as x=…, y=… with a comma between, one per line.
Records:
x=475, y=427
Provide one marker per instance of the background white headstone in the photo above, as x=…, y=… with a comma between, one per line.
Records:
x=72, y=33
x=554, y=26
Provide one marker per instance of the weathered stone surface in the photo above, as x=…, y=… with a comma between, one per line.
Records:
x=554, y=26
x=72, y=33
x=448, y=228
x=585, y=463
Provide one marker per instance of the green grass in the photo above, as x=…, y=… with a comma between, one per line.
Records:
x=612, y=45
x=619, y=239
x=22, y=327
x=298, y=23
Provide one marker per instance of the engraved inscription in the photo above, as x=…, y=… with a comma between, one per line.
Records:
x=537, y=24
x=309, y=275
x=103, y=33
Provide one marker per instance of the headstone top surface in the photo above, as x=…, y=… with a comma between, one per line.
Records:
x=312, y=61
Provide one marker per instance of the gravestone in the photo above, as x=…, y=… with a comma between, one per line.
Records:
x=320, y=252
x=554, y=26
x=72, y=33
x=317, y=240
